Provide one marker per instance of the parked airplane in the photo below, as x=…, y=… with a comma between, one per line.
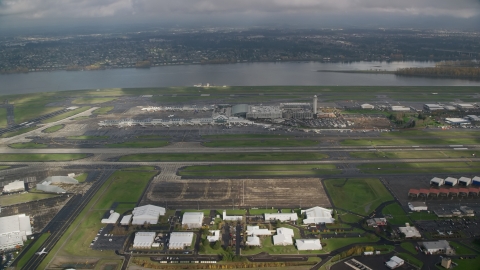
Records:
x=41, y=252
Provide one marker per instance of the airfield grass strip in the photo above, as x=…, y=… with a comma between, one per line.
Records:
x=28, y=145
x=138, y=144
x=40, y=157
x=404, y=141
x=225, y=157
x=53, y=129
x=414, y=154
x=420, y=167
x=31, y=252
x=18, y=132
x=261, y=143
x=259, y=170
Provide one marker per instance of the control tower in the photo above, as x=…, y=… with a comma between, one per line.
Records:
x=314, y=104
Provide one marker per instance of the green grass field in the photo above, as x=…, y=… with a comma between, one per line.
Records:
x=359, y=195
x=28, y=145
x=126, y=185
x=336, y=243
x=412, y=141
x=103, y=110
x=138, y=144
x=467, y=264
x=261, y=143
x=65, y=115
x=140, y=168
x=432, y=133
x=225, y=157
x=40, y=157
x=4, y=167
x=24, y=197
x=87, y=137
x=461, y=249
x=53, y=129
x=92, y=100
x=31, y=106
x=255, y=170
x=414, y=154
x=246, y=136
x=409, y=247
x=81, y=177
x=422, y=216
x=399, y=216
x=3, y=117
x=420, y=167
x=365, y=111
x=410, y=259
x=31, y=252
x=17, y=132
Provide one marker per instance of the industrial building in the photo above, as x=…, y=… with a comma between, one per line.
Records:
x=281, y=217
x=46, y=184
x=433, y=107
x=308, y=244
x=214, y=237
x=240, y=110
x=399, y=109
x=317, y=215
x=473, y=118
x=284, y=237
x=375, y=222
x=180, y=240
x=367, y=106
x=231, y=218
x=143, y=240
x=295, y=106
x=15, y=186
x=147, y=214
x=457, y=121
x=417, y=206
x=192, y=220
x=112, y=218
x=465, y=106
x=14, y=231
x=394, y=262
x=409, y=231
x=253, y=241
x=255, y=230
x=126, y=220
x=437, y=247
x=297, y=114
x=264, y=112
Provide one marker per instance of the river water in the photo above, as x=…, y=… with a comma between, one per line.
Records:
x=246, y=74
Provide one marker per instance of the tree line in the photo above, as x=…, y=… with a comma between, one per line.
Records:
x=441, y=71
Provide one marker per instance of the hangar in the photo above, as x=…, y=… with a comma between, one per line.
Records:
x=417, y=206
x=317, y=215
x=476, y=180
x=253, y=241
x=465, y=181
x=126, y=220
x=284, y=237
x=180, y=240
x=15, y=186
x=143, y=239
x=255, y=230
x=112, y=218
x=450, y=181
x=437, y=181
x=192, y=220
x=147, y=214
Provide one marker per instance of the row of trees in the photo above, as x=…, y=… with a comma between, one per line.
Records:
x=441, y=71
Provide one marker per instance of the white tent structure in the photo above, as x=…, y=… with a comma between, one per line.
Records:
x=317, y=215
x=147, y=214
x=192, y=220
x=394, y=262
x=180, y=240
x=284, y=237
x=112, y=219
x=255, y=230
x=281, y=216
x=14, y=230
x=231, y=218
x=308, y=244
x=143, y=239
x=15, y=186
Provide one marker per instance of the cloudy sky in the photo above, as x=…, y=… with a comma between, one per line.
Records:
x=461, y=13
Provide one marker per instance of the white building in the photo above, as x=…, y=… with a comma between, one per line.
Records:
x=433, y=107
x=126, y=220
x=281, y=216
x=231, y=218
x=180, y=240
x=367, y=106
x=317, y=215
x=440, y=246
x=253, y=241
x=457, y=121
x=410, y=232
x=465, y=106
x=450, y=181
x=308, y=244
x=15, y=186
x=112, y=219
x=394, y=262
x=214, y=237
x=255, y=230
x=192, y=220
x=437, y=181
x=417, y=206
x=284, y=237
x=476, y=180
x=147, y=214
x=465, y=181
x=14, y=230
x=143, y=239
x=400, y=109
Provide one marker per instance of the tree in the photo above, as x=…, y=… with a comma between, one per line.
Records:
x=217, y=245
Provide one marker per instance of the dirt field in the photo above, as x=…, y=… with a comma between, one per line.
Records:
x=240, y=193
